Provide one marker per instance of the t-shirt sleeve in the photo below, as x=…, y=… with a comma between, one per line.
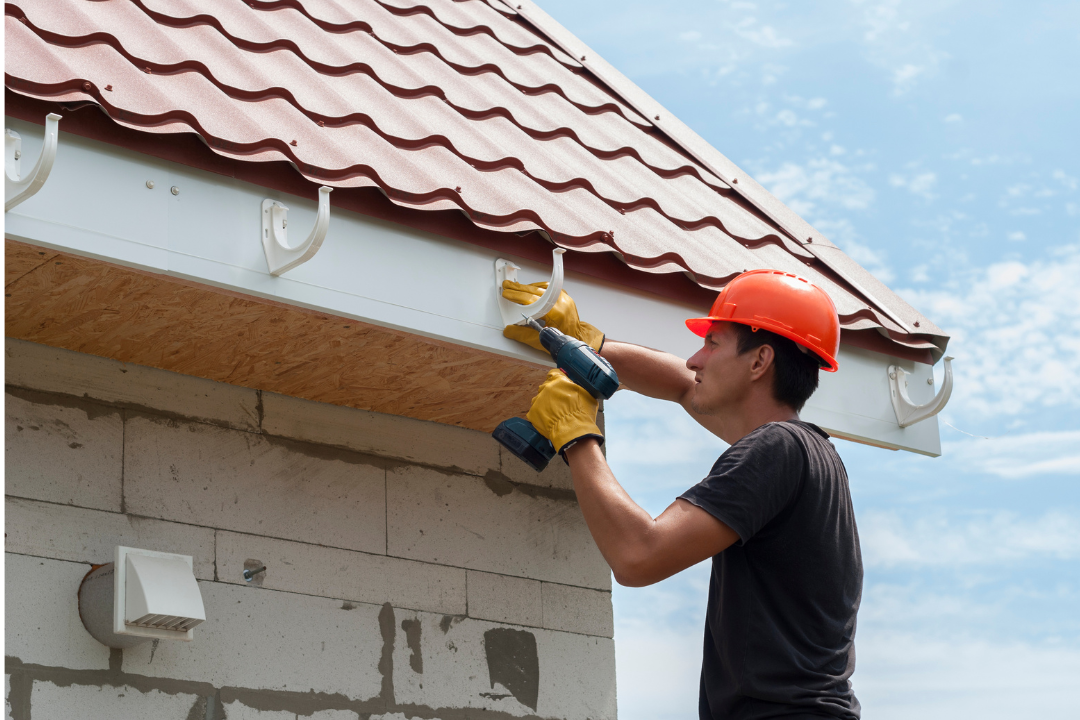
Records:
x=753, y=481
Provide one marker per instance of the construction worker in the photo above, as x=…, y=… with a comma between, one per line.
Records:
x=774, y=513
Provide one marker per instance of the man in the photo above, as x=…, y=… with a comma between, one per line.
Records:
x=774, y=513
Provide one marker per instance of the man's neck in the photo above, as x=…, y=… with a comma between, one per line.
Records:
x=752, y=416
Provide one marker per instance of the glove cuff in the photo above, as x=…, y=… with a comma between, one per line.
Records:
x=572, y=427
x=575, y=441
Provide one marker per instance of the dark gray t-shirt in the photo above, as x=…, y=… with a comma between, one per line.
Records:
x=780, y=631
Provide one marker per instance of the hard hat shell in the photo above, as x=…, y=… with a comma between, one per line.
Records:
x=779, y=302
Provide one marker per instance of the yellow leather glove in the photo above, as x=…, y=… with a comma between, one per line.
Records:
x=563, y=316
x=563, y=411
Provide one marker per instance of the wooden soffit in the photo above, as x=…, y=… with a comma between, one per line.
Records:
x=99, y=308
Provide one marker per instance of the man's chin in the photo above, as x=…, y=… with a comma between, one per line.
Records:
x=698, y=406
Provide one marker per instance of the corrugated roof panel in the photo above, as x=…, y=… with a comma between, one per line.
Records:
x=440, y=104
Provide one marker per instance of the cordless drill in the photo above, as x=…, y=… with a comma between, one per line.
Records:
x=581, y=364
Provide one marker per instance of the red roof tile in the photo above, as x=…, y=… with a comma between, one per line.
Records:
x=440, y=104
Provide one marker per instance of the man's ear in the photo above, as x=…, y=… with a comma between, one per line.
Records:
x=763, y=358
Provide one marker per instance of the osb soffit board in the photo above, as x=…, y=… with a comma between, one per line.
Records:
x=95, y=307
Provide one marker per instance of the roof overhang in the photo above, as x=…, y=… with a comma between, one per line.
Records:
x=385, y=317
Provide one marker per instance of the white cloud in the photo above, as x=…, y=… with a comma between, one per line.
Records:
x=939, y=541
x=1017, y=236
x=690, y=36
x=905, y=75
x=658, y=671
x=899, y=674
x=954, y=118
x=822, y=180
x=1067, y=180
x=787, y=117
x=1020, y=456
x=764, y=35
x=922, y=184
x=1015, y=332
x=903, y=675
x=652, y=432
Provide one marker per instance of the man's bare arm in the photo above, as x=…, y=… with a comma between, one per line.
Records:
x=640, y=550
x=655, y=374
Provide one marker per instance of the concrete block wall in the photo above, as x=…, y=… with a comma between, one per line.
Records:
x=413, y=571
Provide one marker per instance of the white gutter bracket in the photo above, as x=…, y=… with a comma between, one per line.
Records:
x=16, y=187
x=908, y=413
x=512, y=313
x=281, y=258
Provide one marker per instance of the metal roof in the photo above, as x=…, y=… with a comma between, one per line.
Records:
x=466, y=105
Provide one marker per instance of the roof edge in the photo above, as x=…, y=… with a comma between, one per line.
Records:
x=797, y=228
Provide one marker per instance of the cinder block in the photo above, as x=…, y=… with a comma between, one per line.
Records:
x=90, y=536
x=483, y=524
x=444, y=662
x=66, y=453
x=42, y=625
x=207, y=475
x=237, y=710
x=342, y=574
x=50, y=369
x=415, y=441
x=502, y=598
x=106, y=701
x=262, y=640
x=556, y=475
x=578, y=610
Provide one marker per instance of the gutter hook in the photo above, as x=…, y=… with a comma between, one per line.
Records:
x=514, y=314
x=907, y=412
x=16, y=187
x=280, y=257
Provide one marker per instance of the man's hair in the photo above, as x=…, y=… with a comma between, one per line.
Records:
x=795, y=373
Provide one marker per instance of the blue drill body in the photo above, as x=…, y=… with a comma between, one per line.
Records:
x=581, y=364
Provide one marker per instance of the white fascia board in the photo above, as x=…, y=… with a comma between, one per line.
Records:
x=97, y=204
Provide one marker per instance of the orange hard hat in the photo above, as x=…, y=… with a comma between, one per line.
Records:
x=782, y=303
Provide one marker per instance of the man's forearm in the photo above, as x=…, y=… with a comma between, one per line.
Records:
x=639, y=549
x=615, y=521
x=649, y=372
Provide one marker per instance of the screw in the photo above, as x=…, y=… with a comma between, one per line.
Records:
x=150, y=184
x=174, y=190
x=583, y=58
x=18, y=154
x=929, y=381
x=916, y=323
x=656, y=118
x=86, y=86
x=249, y=575
x=293, y=143
x=457, y=189
x=109, y=88
x=734, y=181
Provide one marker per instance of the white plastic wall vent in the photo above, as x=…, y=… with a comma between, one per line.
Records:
x=141, y=595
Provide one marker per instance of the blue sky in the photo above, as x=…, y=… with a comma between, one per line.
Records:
x=936, y=143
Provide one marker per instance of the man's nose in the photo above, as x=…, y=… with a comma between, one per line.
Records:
x=694, y=363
